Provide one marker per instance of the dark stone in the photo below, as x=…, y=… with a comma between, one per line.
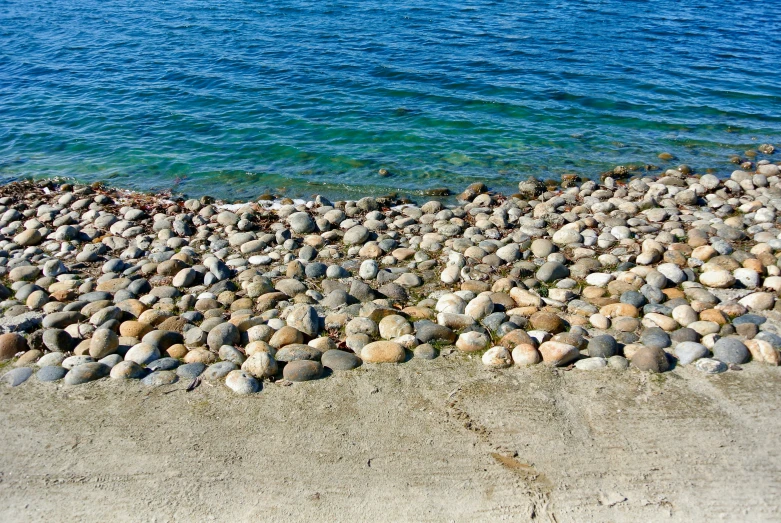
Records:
x=60, y=320
x=162, y=339
x=731, y=350
x=603, y=346
x=302, y=370
x=756, y=319
x=655, y=338
x=57, y=340
x=394, y=291
x=296, y=351
x=650, y=359
x=86, y=372
x=340, y=360
x=633, y=298
x=427, y=331
x=191, y=370
x=684, y=334
x=163, y=364
x=552, y=271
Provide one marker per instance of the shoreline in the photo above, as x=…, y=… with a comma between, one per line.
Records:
x=663, y=162
x=141, y=286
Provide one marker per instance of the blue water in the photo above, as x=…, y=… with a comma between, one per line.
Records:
x=236, y=98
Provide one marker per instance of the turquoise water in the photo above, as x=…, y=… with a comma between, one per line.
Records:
x=236, y=98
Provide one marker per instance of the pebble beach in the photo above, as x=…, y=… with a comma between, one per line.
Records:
x=635, y=273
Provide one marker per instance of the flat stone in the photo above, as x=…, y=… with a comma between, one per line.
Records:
x=16, y=377
x=591, y=364
x=85, y=373
x=557, y=353
x=190, y=371
x=219, y=370
x=160, y=378
x=298, y=351
x=302, y=370
x=340, y=360
x=710, y=366
x=51, y=373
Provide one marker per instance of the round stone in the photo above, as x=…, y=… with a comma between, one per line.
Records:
x=731, y=350
x=10, y=344
x=223, y=334
x=302, y=370
x=547, y=321
x=383, y=352
x=241, y=382
x=260, y=365
x=356, y=235
x=340, y=360
x=497, y=358
x=394, y=326
x=655, y=338
x=472, y=341
x=603, y=346
x=688, y=352
x=710, y=366
x=57, y=340
x=557, y=353
x=425, y=351
x=526, y=354
x=163, y=364
x=127, y=370
x=142, y=353
x=591, y=364
x=651, y=359
x=480, y=307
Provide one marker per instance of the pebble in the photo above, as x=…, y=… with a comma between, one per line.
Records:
x=302, y=370
x=86, y=372
x=651, y=359
x=15, y=377
x=497, y=358
x=241, y=382
x=710, y=366
x=383, y=352
x=160, y=378
x=49, y=373
x=127, y=370
x=731, y=350
x=688, y=352
x=591, y=363
x=340, y=360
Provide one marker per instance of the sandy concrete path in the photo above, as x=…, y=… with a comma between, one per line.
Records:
x=447, y=440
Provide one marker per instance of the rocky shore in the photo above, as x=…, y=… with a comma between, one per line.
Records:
x=647, y=272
